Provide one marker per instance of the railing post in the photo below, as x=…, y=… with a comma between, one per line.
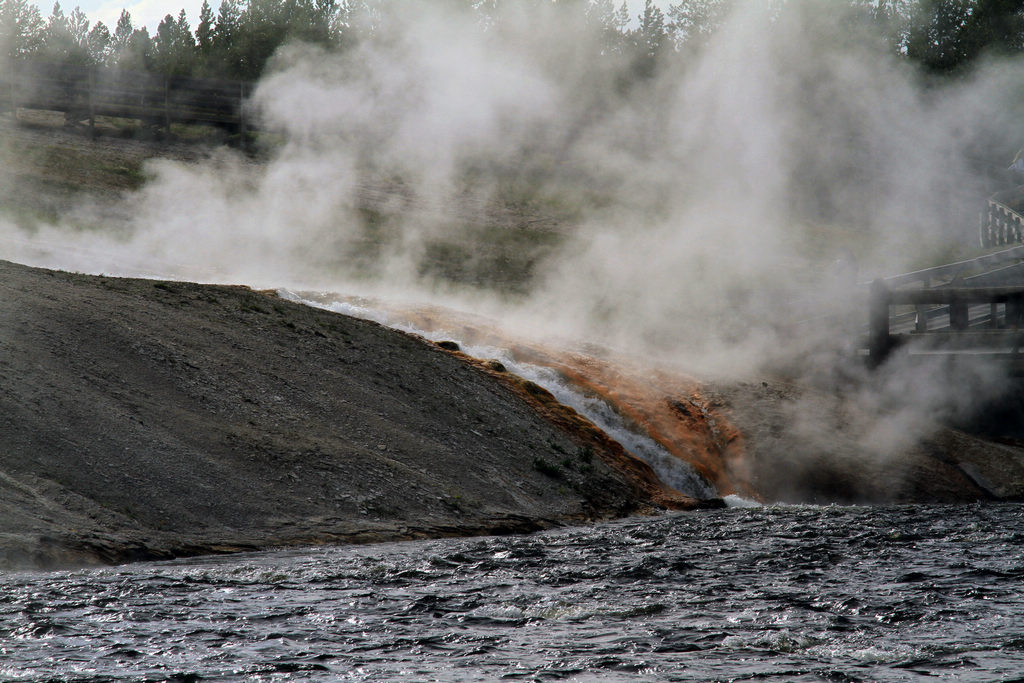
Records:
x=959, y=312
x=921, y=310
x=959, y=316
x=879, y=341
x=1014, y=311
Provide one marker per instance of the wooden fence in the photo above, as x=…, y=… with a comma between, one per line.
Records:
x=1001, y=223
x=83, y=93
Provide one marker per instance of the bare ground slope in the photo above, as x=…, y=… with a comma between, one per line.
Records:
x=146, y=419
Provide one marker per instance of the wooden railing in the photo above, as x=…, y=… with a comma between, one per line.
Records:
x=83, y=93
x=1000, y=223
x=945, y=307
x=929, y=276
x=997, y=330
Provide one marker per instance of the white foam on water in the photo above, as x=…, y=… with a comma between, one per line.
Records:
x=735, y=501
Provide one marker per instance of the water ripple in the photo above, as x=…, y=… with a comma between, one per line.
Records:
x=767, y=594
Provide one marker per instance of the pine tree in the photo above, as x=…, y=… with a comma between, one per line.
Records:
x=694, y=21
x=22, y=29
x=611, y=22
x=224, y=58
x=61, y=37
x=58, y=32
x=937, y=36
x=99, y=43
x=652, y=32
x=204, y=32
x=184, y=42
x=138, y=53
x=122, y=33
x=174, y=47
x=324, y=13
x=648, y=40
x=78, y=25
x=264, y=29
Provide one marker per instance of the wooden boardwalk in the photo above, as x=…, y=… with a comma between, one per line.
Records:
x=83, y=93
x=971, y=307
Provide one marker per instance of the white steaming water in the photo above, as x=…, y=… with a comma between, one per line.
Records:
x=673, y=471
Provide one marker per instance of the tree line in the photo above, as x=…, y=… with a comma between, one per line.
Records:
x=942, y=36
x=236, y=42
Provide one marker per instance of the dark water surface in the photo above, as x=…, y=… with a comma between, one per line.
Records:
x=764, y=594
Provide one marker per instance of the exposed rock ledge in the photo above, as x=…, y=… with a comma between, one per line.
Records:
x=146, y=419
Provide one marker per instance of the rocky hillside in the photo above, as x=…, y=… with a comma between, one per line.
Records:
x=145, y=419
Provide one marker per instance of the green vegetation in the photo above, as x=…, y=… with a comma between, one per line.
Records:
x=239, y=39
x=548, y=469
x=583, y=463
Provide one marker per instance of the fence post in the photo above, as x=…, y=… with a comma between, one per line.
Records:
x=92, y=105
x=241, y=109
x=13, y=83
x=167, y=105
x=879, y=341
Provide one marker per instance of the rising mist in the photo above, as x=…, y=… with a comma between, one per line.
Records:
x=716, y=214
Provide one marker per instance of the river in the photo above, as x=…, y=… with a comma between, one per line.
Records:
x=777, y=593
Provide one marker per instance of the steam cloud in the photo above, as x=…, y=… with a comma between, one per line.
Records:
x=700, y=213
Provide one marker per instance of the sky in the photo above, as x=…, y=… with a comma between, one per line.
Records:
x=147, y=13
x=150, y=13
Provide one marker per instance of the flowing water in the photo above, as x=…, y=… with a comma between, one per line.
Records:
x=445, y=325
x=768, y=594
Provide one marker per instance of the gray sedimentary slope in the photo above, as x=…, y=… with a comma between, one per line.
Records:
x=145, y=419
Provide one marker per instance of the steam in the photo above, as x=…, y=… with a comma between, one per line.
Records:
x=670, y=469
x=696, y=217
